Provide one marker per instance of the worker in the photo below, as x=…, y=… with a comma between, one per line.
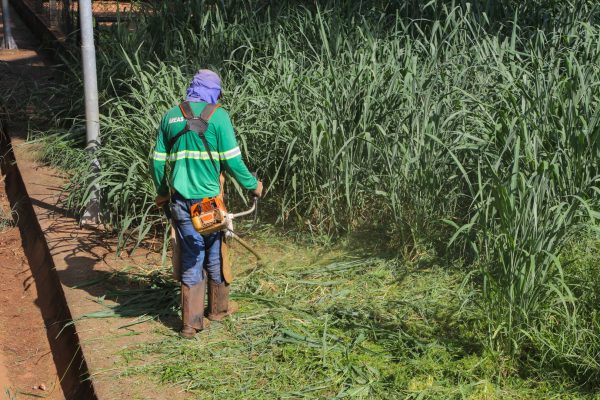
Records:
x=195, y=174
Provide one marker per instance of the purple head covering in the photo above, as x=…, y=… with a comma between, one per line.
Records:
x=205, y=86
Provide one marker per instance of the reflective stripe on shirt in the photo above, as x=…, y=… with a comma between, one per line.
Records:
x=158, y=156
x=226, y=155
x=198, y=155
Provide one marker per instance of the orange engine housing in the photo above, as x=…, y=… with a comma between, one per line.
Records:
x=208, y=216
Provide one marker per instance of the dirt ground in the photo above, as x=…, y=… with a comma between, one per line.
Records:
x=26, y=360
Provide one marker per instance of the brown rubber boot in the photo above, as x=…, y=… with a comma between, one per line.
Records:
x=192, y=309
x=219, y=305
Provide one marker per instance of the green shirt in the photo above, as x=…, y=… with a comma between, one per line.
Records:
x=193, y=175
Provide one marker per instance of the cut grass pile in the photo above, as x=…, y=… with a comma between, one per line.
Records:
x=317, y=323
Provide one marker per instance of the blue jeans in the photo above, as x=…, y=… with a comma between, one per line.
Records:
x=198, y=251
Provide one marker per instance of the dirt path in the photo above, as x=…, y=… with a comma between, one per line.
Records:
x=26, y=357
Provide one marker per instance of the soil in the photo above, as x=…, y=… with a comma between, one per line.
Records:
x=26, y=359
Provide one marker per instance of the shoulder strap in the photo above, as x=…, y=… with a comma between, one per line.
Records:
x=186, y=110
x=209, y=111
x=204, y=117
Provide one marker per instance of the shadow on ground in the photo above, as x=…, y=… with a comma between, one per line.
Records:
x=125, y=293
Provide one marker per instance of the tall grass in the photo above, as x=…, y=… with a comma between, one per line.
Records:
x=464, y=130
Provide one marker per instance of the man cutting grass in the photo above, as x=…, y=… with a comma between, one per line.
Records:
x=197, y=139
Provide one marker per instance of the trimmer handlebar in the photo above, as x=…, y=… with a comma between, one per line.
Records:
x=243, y=213
x=229, y=233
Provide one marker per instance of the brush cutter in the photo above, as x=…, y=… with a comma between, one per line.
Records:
x=209, y=218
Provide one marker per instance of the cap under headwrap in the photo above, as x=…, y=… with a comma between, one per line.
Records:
x=205, y=86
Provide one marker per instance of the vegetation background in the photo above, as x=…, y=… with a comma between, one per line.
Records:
x=440, y=158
